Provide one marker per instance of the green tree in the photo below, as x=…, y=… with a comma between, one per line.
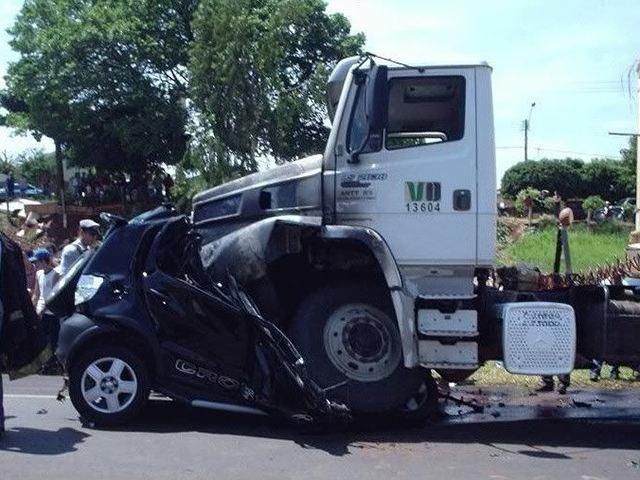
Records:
x=106, y=80
x=258, y=75
x=629, y=160
x=7, y=165
x=606, y=178
x=526, y=200
x=591, y=203
x=35, y=164
x=564, y=176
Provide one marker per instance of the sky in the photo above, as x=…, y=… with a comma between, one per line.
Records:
x=574, y=58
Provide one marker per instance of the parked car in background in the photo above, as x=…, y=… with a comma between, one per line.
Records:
x=22, y=190
x=623, y=210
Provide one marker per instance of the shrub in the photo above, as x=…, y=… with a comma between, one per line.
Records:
x=546, y=221
x=593, y=202
x=523, y=194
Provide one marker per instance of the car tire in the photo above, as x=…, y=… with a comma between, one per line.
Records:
x=109, y=385
x=349, y=339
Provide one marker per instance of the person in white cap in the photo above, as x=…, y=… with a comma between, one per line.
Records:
x=87, y=236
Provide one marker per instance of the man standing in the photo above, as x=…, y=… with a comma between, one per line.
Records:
x=11, y=187
x=23, y=343
x=1, y=392
x=87, y=236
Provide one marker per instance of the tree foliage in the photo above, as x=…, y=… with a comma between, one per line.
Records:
x=7, y=166
x=593, y=202
x=527, y=193
x=34, y=165
x=258, y=75
x=573, y=178
x=105, y=79
x=563, y=176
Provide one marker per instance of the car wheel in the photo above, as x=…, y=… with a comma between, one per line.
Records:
x=349, y=339
x=108, y=385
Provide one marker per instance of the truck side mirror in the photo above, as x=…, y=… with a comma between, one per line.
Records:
x=376, y=100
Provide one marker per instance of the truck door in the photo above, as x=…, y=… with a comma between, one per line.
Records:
x=416, y=182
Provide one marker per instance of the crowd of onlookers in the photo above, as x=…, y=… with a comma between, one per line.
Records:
x=45, y=265
x=89, y=189
x=93, y=189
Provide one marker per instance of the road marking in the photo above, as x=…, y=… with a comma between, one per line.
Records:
x=15, y=395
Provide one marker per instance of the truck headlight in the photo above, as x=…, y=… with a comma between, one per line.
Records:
x=88, y=286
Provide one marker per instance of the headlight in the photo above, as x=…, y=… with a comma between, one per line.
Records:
x=87, y=287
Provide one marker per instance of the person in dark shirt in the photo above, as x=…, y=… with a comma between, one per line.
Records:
x=11, y=186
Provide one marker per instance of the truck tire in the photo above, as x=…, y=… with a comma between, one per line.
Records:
x=108, y=385
x=349, y=339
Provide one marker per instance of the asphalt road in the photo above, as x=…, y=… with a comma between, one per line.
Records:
x=574, y=437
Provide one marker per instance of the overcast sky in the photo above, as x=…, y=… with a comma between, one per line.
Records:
x=574, y=58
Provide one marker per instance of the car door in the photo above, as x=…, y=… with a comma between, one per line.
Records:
x=209, y=339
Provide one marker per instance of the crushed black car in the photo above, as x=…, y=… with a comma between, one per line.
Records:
x=140, y=313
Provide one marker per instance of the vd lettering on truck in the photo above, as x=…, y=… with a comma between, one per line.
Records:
x=422, y=197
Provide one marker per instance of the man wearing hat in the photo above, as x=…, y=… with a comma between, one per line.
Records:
x=87, y=236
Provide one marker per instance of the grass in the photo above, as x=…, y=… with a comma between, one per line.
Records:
x=493, y=374
x=589, y=246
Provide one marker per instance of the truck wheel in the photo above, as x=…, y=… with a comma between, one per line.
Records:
x=350, y=342
x=108, y=385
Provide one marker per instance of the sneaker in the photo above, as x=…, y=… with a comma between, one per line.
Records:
x=594, y=376
x=562, y=389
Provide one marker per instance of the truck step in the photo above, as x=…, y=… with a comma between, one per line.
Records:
x=434, y=354
x=461, y=323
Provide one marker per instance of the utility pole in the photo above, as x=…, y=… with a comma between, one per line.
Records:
x=60, y=181
x=527, y=123
x=526, y=139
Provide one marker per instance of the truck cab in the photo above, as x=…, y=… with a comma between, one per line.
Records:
x=373, y=256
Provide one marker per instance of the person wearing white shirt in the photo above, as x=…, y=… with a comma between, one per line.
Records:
x=46, y=278
x=87, y=235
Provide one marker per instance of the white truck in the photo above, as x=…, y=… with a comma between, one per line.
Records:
x=374, y=256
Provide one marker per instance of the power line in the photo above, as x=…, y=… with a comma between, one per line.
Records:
x=554, y=150
x=603, y=155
